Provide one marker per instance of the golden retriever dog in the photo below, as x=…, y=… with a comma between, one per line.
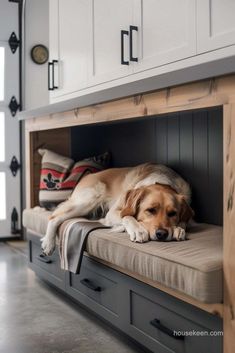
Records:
x=149, y=202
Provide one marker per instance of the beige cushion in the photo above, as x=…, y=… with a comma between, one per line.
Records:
x=193, y=267
x=36, y=219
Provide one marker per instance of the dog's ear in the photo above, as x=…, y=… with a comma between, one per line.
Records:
x=131, y=202
x=186, y=212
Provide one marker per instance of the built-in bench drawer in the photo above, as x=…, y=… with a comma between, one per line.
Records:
x=168, y=331
x=94, y=286
x=49, y=266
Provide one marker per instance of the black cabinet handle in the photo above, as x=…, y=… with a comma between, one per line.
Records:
x=87, y=283
x=53, y=74
x=132, y=28
x=156, y=323
x=123, y=33
x=50, y=66
x=44, y=258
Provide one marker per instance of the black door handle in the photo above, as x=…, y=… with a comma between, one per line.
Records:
x=44, y=258
x=123, y=33
x=53, y=74
x=50, y=66
x=156, y=323
x=132, y=28
x=87, y=283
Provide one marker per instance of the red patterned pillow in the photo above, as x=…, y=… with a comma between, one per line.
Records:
x=59, y=175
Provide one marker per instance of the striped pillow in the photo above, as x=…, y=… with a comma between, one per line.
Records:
x=59, y=175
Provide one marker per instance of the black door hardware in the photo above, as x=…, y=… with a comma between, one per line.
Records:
x=14, y=222
x=51, y=75
x=13, y=106
x=14, y=166
x=132, y=28
x=156, y=323
x=87, y=283
x=14, y=42
x=50, y=87
x=123, y=33
x=44, y=258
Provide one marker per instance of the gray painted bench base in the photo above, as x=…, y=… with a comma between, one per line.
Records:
x=146, y=314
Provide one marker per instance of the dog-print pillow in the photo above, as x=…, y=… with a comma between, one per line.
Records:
x=59, y=175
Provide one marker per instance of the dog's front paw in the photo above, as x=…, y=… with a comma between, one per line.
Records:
x=48, y=245
x=179, y=233
x=135, y=230
x=117, y=229
x=140, y=235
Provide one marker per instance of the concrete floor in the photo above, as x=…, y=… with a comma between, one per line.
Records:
x=36, y=319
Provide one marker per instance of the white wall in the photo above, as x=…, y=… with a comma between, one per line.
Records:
x=36, y=32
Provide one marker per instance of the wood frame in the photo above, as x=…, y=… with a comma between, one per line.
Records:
x=208, y=93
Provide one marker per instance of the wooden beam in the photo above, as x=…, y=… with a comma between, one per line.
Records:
x=229, y=228
x=57, y=140
x=28, y=168
x=197, y=95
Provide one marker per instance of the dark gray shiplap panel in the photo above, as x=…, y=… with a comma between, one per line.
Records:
x=186, y=143
x=173, y=142
x=189, y=142
x=129, y=143
x=161, y=128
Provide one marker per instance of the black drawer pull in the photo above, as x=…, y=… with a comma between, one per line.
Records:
x=87, y=283
x=132, y=28
x=44, y=258
x=53, y=74
x=123, y=33
x=156, y=323
x=50, y=66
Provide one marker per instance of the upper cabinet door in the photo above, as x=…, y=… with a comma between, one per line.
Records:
x=74, y=42
x=215, y=24
x=112, y=19
x=53, y=43
x=166, y=31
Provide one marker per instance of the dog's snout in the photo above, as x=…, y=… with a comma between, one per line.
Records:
x=161, y=234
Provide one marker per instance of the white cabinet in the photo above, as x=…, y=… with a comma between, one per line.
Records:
x=167, y=32
x=98, y=44
x=157, y=32
x=111, y=21
x=70, y=45
x=53, y=45
x=215, y=24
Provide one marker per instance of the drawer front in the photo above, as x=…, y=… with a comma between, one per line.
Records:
x=49, y=264
x=95, y=285
x=166, y=327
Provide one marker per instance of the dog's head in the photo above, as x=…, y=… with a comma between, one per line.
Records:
x=158, y=208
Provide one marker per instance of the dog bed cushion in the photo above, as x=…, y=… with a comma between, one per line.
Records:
x=193, y=267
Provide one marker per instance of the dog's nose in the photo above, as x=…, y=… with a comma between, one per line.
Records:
x=161, y=234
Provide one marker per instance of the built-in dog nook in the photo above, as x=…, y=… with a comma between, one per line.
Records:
x=189, y=142
x=189, y=128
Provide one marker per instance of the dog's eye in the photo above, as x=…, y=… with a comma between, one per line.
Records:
x=172, y=214
x=152, y=210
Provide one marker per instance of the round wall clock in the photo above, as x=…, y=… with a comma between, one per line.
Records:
x=39, y=54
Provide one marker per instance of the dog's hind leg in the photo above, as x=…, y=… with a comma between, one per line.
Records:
x=86, y=200
x=62, y=208
x=49, y=240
